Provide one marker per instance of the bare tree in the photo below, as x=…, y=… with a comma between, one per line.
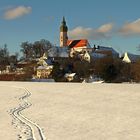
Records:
x=36, y=49
x=4, y=57
x=26, y=49
x=40, y=47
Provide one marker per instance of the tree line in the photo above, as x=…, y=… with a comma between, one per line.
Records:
x=29, y=51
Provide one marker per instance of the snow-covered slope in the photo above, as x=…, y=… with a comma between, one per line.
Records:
x=67, y=111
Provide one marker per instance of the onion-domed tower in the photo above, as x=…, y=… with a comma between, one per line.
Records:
x=63, y=33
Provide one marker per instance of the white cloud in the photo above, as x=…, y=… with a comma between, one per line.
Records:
x=105, y=28
x=103, y=31
x=17, y=12
x=132, y=28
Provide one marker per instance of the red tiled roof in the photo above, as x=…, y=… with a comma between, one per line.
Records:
x=77, y=43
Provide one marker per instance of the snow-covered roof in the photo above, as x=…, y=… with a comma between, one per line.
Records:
x=107, y=51
x=44, y=67
x=63, y=52
x=129, y=58
x=23, y=62
x=70, y=74
x=97, y=55
x=103, y=48
x=58, y=52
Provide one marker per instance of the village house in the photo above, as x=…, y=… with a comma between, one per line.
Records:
x=44, y=71
x=45, y=67
x=130, y=58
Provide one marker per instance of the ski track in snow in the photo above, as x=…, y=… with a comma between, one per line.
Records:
x=28, y=130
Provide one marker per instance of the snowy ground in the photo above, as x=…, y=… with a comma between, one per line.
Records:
x=69, y=111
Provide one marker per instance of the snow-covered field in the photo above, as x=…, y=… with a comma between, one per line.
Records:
x=64, y=111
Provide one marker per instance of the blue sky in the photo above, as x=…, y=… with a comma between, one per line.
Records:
x=113, y=23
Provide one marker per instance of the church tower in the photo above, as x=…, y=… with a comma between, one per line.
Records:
x=63, y=33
